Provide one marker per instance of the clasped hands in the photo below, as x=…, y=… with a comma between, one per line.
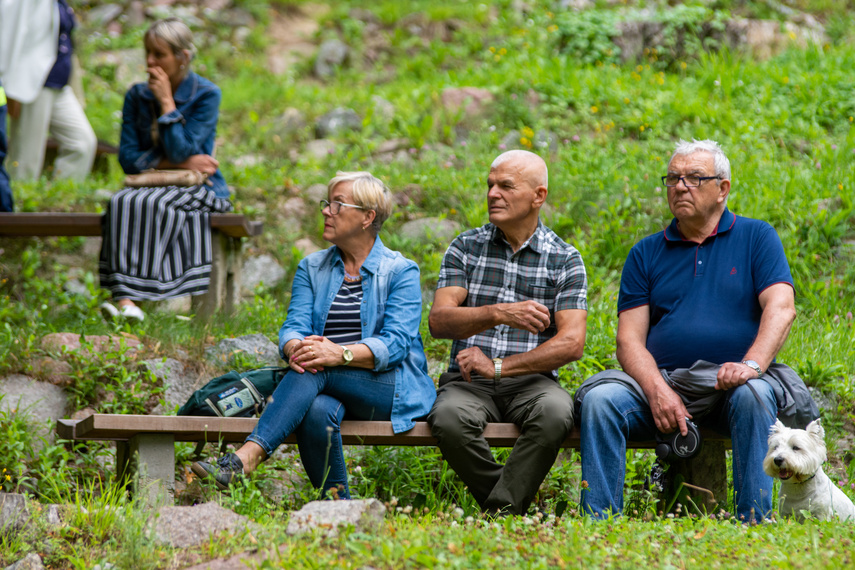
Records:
x=313, y=353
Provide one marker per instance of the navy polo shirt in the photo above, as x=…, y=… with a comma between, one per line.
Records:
x=703, y=298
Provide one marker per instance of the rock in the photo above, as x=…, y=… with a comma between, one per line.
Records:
x=634, y=36
x=216, y=5
x=179, y=383
x=424, y=229
x=135, y=15
x=336, y=122
x=823, y=401
x=766, y=38
x=291, y=36
x=177, y=305
x=320, y=149
x=306, y=246
x=263, y=269
x=293, y=211
x=287, y=125
x=54, y=342
x=315, y=193
x=92, y=247
x=383, y=109
x=255, y=347
x=13, y=511
x=100, y=16
x=183, y=527
x=411, y=194
x=473, y=101
x=41, y=403
x=75, y=287
x=248, y=160
x=511, y=141
x=331, y=55
x=103, y=195
x=128, y=65
x=544, y=141
x=31, y=561
x=57, y=372
x=365, y=515
x=393, y=145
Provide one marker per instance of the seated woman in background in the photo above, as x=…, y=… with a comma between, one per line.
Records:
x=352, y=339
x=157, y=240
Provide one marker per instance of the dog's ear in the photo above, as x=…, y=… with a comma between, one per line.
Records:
x=815, y=429
x=776, y=428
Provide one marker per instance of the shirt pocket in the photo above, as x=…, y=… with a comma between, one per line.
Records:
x=539, y=293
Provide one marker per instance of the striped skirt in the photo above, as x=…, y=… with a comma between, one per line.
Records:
x=157, y=242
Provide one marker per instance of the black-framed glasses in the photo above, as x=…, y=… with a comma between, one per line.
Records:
x=335, y=207
x=690, y=180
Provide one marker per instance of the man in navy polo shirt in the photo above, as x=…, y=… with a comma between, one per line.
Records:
x=714, y=287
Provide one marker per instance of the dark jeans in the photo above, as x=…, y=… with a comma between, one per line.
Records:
x=314, y=405
x=6, y=203
x=536, y=403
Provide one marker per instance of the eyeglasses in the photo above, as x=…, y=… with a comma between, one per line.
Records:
x=691, y=181
x=335, y=207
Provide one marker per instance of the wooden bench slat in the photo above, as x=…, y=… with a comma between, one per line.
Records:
x=213, y=429
x=52, y=224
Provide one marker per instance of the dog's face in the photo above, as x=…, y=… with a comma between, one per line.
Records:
x=795, y=455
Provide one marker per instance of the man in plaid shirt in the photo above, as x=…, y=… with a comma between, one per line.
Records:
x=512, y=296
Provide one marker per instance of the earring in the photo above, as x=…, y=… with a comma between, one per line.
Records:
x=364, y=228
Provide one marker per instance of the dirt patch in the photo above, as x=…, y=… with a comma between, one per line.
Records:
x=292, y=31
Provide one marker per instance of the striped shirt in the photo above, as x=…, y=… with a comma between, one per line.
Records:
x=545, y=269
x=343, y=321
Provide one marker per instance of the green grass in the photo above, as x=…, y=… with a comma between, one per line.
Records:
x=786, y=123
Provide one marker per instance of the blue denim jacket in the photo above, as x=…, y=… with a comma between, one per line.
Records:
x=391, y=312
x=190, y=129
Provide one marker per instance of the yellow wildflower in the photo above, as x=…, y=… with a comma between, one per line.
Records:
x=594, y=109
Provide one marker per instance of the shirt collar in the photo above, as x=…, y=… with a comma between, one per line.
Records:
x=672, y=233
x=534, y=241
x=372, y=262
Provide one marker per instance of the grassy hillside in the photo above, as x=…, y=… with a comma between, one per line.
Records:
x=555, y=75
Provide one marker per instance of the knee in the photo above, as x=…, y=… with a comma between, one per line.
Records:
x=323, y=415
x=553, y=415
x=760, y=400
x=598, y=403
x=448, y=421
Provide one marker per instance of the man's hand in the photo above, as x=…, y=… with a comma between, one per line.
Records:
x=733, y=374
x=529, y=316
x=668, y=409
x=472, y=361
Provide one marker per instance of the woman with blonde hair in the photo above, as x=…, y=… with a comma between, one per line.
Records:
x=352, y=340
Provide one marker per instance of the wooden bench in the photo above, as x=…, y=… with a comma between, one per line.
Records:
x=145, y=446
x=224, y=290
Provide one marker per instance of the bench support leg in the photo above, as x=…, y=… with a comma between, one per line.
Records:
x=224, y=289
x=150, y=465
x=707, y=475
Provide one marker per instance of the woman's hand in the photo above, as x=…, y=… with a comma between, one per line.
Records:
x=201, y=162
x=158, y=82
x=315, y=352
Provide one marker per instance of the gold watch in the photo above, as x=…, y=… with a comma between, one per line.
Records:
x=347, y=355
x=497, y=362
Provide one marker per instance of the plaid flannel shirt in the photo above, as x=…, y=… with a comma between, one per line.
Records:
x=545, y=269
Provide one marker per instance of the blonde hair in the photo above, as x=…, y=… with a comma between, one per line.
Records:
x=369, y=192
x=174, y=33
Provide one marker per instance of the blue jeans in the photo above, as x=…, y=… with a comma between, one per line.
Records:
x=613, y=414
x=314, y=405
x=6, y=203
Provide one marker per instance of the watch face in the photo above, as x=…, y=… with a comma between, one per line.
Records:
x=347, y=355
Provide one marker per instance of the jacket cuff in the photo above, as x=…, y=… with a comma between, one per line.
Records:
x=148, y=159
x=380, y=351
x=284, y=339
x=174, y=116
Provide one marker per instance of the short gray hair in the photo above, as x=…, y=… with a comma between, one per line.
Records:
x=174, y=33
x=526, y=156
x=722, y=164
x=369, y=192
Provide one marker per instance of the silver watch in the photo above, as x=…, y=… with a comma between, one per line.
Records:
x=753, y=365
x=497, y=362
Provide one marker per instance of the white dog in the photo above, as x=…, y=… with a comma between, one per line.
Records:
x=796, y=456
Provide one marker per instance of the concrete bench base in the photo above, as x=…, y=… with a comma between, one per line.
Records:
x=145, y=448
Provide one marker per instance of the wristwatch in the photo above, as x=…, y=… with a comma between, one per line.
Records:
x=754, y=366
x=497, y=362
x=347, y=355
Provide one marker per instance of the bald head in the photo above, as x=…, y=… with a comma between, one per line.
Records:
x=532, y=166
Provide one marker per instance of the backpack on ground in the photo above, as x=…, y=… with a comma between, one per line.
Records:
x=235, y=395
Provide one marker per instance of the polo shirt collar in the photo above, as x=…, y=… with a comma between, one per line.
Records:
x=726, y=222
x=533, y=242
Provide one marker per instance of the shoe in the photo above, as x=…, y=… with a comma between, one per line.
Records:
x=109, y=311
x=132, y=312
x=228, y=468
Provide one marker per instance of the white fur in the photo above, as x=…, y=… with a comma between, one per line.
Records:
x=795, y=457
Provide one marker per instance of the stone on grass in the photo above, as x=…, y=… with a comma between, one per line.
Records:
x=57, y=372
x=328, y=516
x=473, y=101
x=439, y=229
x=54, y=342
x=383, y=109
x=287, y=125
x=320, y=149
x=315, y=193
x=336, y=122
x=183, y=527
x=14, y=513
x=179, y=383
x=104, y=14
x=306, y=246
x=331, y=55
x=175, y=305
x=263, y=269
x=254, y=347
x=31, y=561
x=41, y=403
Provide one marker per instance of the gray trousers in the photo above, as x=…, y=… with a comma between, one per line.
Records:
x=541, y=408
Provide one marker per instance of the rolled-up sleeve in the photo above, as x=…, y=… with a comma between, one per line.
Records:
x=403, y=314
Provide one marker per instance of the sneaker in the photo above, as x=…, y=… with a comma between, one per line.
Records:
x=109, y=311
x=132, y=312
x=228, y=468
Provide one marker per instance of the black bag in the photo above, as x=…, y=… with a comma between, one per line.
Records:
x=236, y=394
